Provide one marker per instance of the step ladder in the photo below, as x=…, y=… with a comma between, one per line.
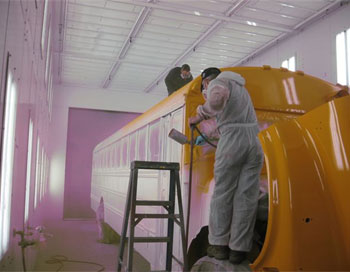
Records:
x=135, y=218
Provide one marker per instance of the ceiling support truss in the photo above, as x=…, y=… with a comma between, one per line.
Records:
x=206, y=14
x=141, y=19
x=206, y=35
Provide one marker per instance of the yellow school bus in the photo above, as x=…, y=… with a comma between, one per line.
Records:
x=305, y=134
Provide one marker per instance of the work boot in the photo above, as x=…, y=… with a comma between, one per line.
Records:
x=218, y=252
x=236, y=257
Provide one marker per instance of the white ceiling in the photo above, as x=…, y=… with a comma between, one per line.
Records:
x=130, y=45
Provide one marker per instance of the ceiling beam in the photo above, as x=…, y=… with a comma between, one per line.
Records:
x=101, y=58
x=205, y=13
x=62, y=36
x=143, y=15
x=325, y=11
x=210, y=31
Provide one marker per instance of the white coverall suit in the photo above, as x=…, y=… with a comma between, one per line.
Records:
x=238, y=162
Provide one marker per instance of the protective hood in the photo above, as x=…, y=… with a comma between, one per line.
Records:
x=232, y=76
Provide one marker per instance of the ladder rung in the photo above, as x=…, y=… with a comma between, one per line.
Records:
x=153, y=203
x=155, y=165
x=155, y=215
x=151, y=239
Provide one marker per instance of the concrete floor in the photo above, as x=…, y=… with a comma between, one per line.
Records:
x=77, y=241
x=74, y=242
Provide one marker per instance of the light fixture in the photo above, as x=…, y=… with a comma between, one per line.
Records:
x=251, y=23
x=251, y=34
x=286, y=5
x=197, y=13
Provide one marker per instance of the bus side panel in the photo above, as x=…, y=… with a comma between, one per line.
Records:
x=110, y=181
x=309, y=211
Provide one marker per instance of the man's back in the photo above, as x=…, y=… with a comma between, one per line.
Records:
x=174, y=81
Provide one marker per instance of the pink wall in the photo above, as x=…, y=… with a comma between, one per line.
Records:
x=86, y=128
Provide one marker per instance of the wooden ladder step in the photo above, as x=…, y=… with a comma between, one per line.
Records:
x=153, y=203
x=155, y=215
x=152, y=239
x=155, y=165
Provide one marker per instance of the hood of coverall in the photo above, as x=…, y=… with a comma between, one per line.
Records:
x=232, y=76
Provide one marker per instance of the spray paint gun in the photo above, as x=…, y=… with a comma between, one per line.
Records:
x=182, y=139
x=177, y=136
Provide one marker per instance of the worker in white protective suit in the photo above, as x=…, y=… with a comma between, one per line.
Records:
x=238, y=162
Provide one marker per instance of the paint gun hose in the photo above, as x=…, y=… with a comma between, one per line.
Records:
x=190, y=184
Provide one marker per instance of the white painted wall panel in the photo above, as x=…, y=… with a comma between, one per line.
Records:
x=314, y=47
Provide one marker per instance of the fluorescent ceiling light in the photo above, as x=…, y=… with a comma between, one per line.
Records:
x=251, y=23
x=286, y=5
x=252, y=34
x=197, y=13
x=286, y=16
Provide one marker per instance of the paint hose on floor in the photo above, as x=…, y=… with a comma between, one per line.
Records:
x=30, y=237
x=61, y=259
x=182, y=139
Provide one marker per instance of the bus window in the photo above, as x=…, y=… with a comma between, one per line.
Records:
x=154, y=141
x=110, y=156
x=106, y=158
x=104, y=161
x=132, y=149
x=102, y=158
x=98, y=160
x=117, y=155
x=124, y=152
x=142, y=144
x=174, y=147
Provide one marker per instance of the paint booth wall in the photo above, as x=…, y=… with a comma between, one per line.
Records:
x=86, y=128
x=25, y=72
x=314, y=47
